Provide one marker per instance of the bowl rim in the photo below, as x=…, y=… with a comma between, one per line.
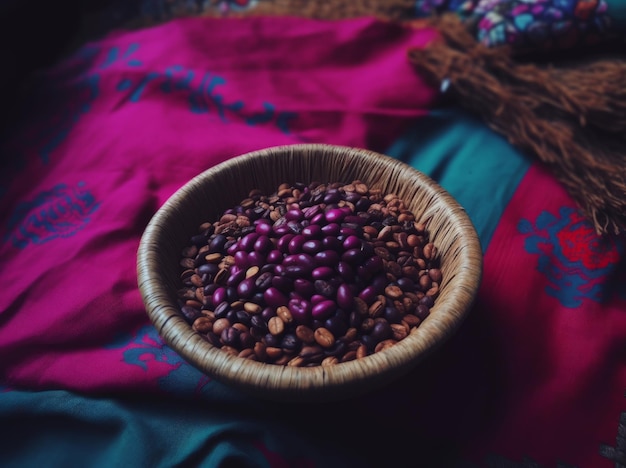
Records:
x=307, y=383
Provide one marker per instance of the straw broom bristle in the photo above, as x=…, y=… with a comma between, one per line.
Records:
x=572, y=119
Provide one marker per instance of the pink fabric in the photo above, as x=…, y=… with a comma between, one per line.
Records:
x=114, y=130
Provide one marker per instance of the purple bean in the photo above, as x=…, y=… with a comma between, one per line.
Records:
x=422, y=311
x=267, y=313
x=322, y=273
x=231, y=294
x=392, y=314
x=283, y=242
x=282, y=283
x=190, y=313
x=355, y=219
x=407, y=284
x=281, y=229
x=274, y=256
x=336, y=325
x=274, y=297
x=373, y=264
x=231, y=247
x=230, y=336
x=246, y=288
x=263, y=244
x=331, y=229
x=247, y=243
x=256, y=258
x=346, y=271
x=209, y=289
x=241, y=259
x=290, y=342
x=294, y=214
x=352, y=242
x=257, y=321
x=303, y=287
x=219, y=295
x=353, y=256
x=257, y=297
x=222, y=309
x=318, y=220
x=217, y=243
x=428, y=301
x=322, y=310
x=312, y=231
x=345, y=296
x=300, y=310
x=263, y=227
x=379, y=282
x=346, y=231
x=271, y=340
x=295, y=244
x=331, y=243
x=297, y=271
x=317, y=298
x=326, y=258
x=311, y=246
x=235, y=278
x=381, y=331
x=368, y=294
x=355, y=319
x=301, y=259
x=208, y=269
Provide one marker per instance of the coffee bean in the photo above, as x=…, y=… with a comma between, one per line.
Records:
x=276, y=326
x=324, y=338
x=339, y=266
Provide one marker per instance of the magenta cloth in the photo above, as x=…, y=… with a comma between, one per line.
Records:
x=134, y=118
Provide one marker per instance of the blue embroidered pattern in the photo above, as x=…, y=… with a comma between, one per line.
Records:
x=145, y=347
x=579, y=264
x=59, y=212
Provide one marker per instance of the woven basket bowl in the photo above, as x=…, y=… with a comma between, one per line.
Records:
x=207, y=195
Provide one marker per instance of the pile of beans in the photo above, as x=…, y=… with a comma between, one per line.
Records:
x=310, y=275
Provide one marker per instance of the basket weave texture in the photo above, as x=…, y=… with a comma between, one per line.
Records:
x=206, y=196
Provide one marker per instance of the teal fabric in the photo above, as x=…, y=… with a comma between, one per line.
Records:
x=63, y=429
x=476, y=165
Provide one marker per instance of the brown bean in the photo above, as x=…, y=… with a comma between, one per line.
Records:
x=305, y=334
x=202, y=325
x=412, y=320
x=430, y=251
x=399, y=331
x=275, y=325
x=273, y=352
x=252, y=308
x=324, y=338
x=376, y=309
x=260, y=351
x=296, y=361
x=330, y=361
x=230, y=350
x=246, y=353
x=220, y=325
x=393, y=292
x=349, y=356
x=215, y=257
x=435, y=274
x=285, y=314
x=384, y=345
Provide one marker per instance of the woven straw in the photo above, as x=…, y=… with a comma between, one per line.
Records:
x=207, y=195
